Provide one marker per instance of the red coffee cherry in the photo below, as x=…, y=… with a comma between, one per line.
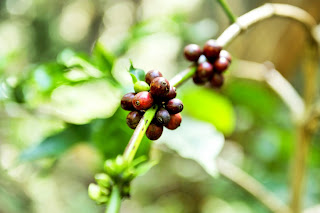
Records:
x=162, y=116
x=172, y=93
x=159, y=87
x=133, y=119
x=152, y=74
x=175, y=121
x=204, y=71
x=142, y=100
x=225, y=54
x=154, y=131
x=198, y=80
x=174, y=106
x=126, y=101
x=221, y=64
x=192, y=52
x=211, y=49
x=217, y=80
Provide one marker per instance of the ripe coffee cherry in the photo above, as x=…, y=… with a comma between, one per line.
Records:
x=211, y=49
x=202, y=59
x=140, y=86
x=162, y=116
x=152, y=74
x=174, y=106
x=133, y=119
x=217, y=80
x=198, y=80
x=174, y=122
x=204, y=71
x=142, y=100
x=154, y=131
x=172, y=93
x=159, y=87
x=126, y=101
x=225, y=54
x=221, y=64
x=192, y=52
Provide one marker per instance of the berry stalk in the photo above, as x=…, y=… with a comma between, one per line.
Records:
x=227, y=10
x=115, y=201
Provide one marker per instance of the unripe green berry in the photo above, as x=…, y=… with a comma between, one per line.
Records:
x=140, y=86
x=103, y=180
x=98, y=194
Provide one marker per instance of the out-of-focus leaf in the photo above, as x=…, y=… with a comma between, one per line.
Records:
x=102, y=58
x=196, y=140
x=206, y=105
x=136, y=74
x=145, y=167
x=57, y=144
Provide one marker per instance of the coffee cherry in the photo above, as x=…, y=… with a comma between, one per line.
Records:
x=140, y=86
x=174, y=106
x=198, y=80
x=174, y=122
x=142, y=100
x=217, y=80
x=126, y=101
x=192, y=52
x=202, y=59
x=172, y=93
x=221, y=64
x=162, y=116
x=211, y=49
x=159, y=87
x=204, y=71
x=133, y=119
x=225, y=54
x=152, y=74
x=154, y=131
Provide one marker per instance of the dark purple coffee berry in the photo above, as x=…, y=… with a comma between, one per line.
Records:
x=204, y=71
x=126, y=101
x=152, y=74
x=142, y=100
x=154, y=131
x=175, y=121
x=133, y=119
x=159, y=87
x=202, y=59
x=221, y=64
x=225, y=54
x=174, y=106
x=172, y=93
x=211, y=49
x=217, y=80
x=162, y=116
x=192, y=52
x=198, y=80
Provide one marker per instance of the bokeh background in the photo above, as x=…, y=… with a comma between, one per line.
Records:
x=63, y=70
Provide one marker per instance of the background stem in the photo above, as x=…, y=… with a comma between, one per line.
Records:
x=115, y=201
x=228, y=11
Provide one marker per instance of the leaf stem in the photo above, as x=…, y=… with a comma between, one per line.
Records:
x=115, y=201
x=227, y=10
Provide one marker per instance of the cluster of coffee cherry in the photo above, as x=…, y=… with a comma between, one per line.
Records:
x=211, y=62
x=154, y=90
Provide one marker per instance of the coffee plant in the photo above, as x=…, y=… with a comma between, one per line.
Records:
x=155, y=103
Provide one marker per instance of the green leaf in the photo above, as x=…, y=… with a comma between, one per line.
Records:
x=206, y=105
x=57, y=144
x=136, y=74
x=103, y=59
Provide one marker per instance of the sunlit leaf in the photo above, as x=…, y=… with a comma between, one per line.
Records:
x=136, y=74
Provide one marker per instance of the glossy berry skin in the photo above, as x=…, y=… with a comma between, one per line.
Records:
x=159, y=87
x=192, y=52
x=221, y=64
x=126, y=101
x=175, y=121
x=198, y=80
x=225, y=54
x=154, y=131
x=172, y=93
x=162, y=116
x=174, y=106
x=204, y=71
x=152, y=74
x=142, y=100
x=217, y=80
x=133, y=119
x=211, y=49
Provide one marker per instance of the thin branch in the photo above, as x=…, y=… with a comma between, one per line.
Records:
x=252, y=186
x=115, y=201
x=227, y=10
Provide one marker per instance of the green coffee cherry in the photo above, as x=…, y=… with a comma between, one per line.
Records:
x=103, y=180
x=140, y=86
x=98, y=194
